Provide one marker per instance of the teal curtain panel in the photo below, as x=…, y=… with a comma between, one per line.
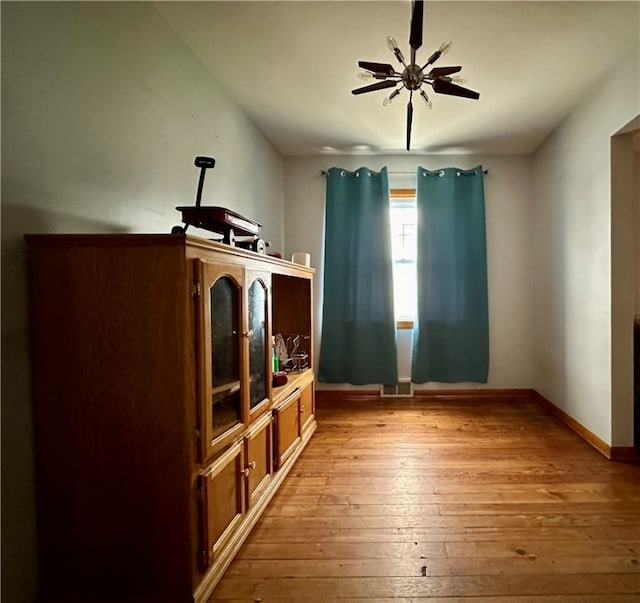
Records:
x=451, y=332
x=358, y=343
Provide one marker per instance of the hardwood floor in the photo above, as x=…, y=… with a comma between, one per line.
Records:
x=456, y=501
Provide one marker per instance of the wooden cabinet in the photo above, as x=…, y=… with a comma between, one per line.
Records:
x=222, y=507
x=159, y=438
x=287, y=421
x=290, y=416
x=259, y=454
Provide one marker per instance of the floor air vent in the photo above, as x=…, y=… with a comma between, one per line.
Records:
x=397, y=390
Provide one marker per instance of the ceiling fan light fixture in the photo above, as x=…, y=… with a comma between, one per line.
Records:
x=413, y=76
x=458, y=79
x=389, y=99
x=393, y=47
x=426, y=99
x=365, y=75
x=444, y=47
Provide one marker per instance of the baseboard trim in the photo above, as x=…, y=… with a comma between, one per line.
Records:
x=511, y=393
x=354, y=395
x=587, y=435
x=350, y=395
x=623, y=454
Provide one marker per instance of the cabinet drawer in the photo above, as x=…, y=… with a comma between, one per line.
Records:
x=286, y=427
x=222, y=502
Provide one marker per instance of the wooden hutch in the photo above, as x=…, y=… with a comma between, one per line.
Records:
x=159, y=437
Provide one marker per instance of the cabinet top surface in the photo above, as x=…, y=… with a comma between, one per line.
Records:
x=184, y=241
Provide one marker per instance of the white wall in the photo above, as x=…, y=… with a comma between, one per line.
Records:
x=508, y=204
x=103, y=110
x=572, y=268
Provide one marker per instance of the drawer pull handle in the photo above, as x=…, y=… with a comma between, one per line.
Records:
x=248, y=469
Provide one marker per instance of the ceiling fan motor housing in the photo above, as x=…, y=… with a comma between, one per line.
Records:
x=412, y=77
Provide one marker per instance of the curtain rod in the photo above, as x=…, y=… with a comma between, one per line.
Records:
x=324, y=173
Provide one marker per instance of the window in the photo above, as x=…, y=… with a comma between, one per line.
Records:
x=403, y=251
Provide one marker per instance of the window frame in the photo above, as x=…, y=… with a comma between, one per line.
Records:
x=402, y=193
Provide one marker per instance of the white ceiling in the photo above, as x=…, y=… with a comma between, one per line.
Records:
x=291, y=66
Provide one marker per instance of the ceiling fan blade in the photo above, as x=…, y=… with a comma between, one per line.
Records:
x=442, y=71
x=409, y=121
x=445, y=87
x=415, y=38
x=382, y=68
x=376, y=86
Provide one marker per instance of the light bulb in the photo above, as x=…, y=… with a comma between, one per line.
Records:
x=458, y=79
x=365, y=75
x=389, y=99
x=393, y=47
x=426, y=99
x=444, y=47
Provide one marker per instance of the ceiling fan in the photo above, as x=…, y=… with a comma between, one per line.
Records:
x=412, y=77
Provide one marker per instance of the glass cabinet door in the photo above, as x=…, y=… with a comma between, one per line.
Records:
x=258, y=345
x=221, y=393
x=226, y=396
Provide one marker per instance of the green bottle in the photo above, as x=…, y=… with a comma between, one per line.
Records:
x=274, y=357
